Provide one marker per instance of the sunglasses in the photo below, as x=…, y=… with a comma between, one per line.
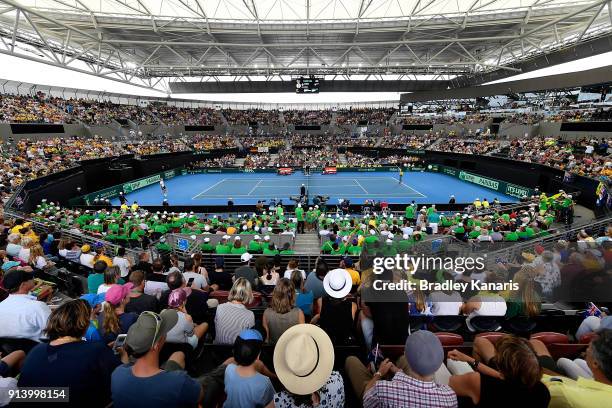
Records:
x=158, y=322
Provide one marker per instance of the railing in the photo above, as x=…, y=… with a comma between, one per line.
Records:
x=82, y=239
x=514, y=249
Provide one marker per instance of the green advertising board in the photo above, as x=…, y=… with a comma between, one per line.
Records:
x=126, y=187
x=490, y=183
x=138, y=184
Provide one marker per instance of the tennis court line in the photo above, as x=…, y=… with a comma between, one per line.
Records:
x=209, y=188
x=255, y=186
x=359, y=184
x=406, y=195
x=415, y=191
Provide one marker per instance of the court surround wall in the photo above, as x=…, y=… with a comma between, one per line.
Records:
x=98, y=174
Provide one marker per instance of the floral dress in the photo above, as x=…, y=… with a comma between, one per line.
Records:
x=331, y=395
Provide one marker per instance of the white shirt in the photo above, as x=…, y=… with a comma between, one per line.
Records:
x=288, y=273
x=123, y=264
x=41, y=262
x=23, y=317
x=154, y=288
x=103, y=288
x=87, y=260
x=181, y=331
x=24, y=254
x=198, y=280
x=443, y=304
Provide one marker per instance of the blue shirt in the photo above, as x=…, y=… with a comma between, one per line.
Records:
x=126, y=320
x=167, y=389
x=255, y=391
x=304, y=302
x=83, y=366
x=434, y=218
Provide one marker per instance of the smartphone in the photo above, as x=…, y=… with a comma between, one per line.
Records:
x=190, y=282
x=119, y=342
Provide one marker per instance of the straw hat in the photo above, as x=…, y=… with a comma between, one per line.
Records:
x=303, y=358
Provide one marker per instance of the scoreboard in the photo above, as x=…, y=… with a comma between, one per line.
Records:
x=307, y=84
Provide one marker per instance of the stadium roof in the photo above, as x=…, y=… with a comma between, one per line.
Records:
x=149, y=42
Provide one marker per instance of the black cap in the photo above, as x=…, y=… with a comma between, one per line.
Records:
x=13, y=279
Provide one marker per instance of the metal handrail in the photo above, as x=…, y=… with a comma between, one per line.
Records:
x=546, y=241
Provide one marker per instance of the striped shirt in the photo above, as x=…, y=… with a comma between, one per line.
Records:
x=407, y=392
x=230, y=320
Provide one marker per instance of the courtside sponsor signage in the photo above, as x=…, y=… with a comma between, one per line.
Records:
x=481, y=181
x=135, y=185
x=449, y=171
x=517, y=191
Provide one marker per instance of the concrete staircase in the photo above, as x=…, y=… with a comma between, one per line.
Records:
x=239, y=161
x=342, y=159
x=307, y=243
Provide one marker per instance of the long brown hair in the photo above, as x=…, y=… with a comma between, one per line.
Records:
x=517, y=361
x=527, y=291
x=283, y=296
x=110, y=324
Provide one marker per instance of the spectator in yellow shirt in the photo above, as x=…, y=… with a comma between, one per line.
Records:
x=347, y=263
x=586, y=392
x=100, y=256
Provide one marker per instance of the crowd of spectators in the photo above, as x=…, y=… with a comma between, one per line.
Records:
x=586, y=157
x=526, y=118
x=29, y=109
x=468, y=146
x=364, y=116
x=174, y=115
x=307, y=117
x=210, y=142
x=246, y=117
x=227, y=160
x=271, y=142
x=258, y=161
x=167, y=313
x=313, y=157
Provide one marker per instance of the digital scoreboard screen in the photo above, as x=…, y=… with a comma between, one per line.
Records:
x=307, y=85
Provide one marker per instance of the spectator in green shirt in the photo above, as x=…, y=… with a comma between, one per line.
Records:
x=206, y=248
x=354, y=248
x=163, y=246
x=410, y=211
x=327, y=246
x=270, y=249
x=222, y=247
x=255, y=246
x=238, y=248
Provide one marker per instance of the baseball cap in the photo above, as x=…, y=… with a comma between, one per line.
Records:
x=116, y=293
x=348, y=261
x=424, y=352
x=85, y=248
x=246, y=257
x=93, y=299
x=250, y=334
x=149, y=328
x=178, y=296
x=13, y=279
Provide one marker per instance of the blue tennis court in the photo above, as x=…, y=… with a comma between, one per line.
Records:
x=215, y=189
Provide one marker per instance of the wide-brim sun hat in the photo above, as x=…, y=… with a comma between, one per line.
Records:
x=304, y=359
x=337, y=283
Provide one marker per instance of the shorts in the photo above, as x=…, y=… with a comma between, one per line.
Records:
x=171, y=365
x=5, y=370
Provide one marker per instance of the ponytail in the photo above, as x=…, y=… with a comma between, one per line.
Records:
x=110, y=323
